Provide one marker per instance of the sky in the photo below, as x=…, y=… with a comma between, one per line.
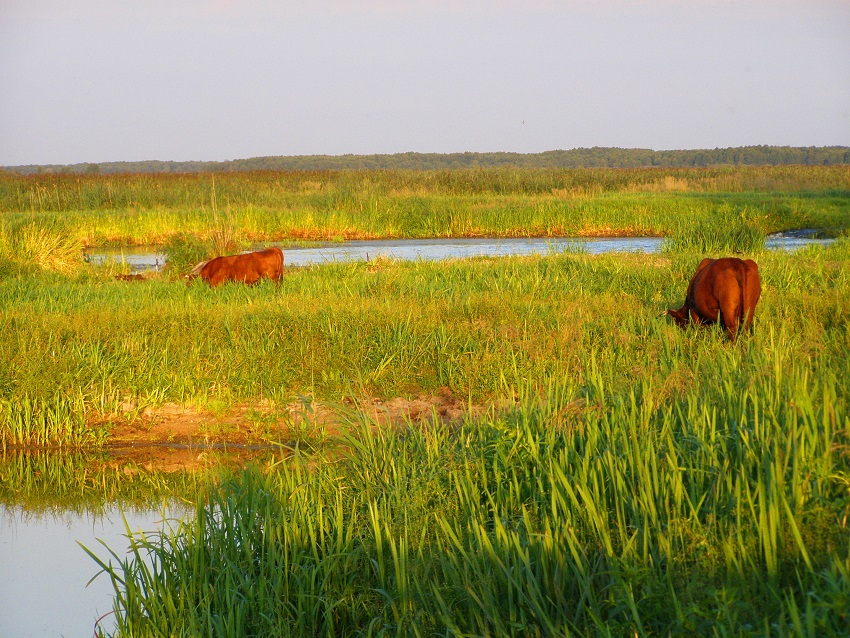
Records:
x=212, y=80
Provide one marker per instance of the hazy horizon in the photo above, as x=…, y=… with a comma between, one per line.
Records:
x=217, y=80
x=342, y=156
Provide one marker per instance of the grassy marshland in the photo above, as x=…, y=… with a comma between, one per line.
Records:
x=74, y=348
x=645, y=481
x=262, y=206
x=633, y=479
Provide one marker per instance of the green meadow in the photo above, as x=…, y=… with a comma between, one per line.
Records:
x=613, y=476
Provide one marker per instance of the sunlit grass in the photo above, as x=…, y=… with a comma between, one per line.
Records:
x=478, y=327
x=239, y=208
x=622, y=477
x=588, y=509
x=41, y=245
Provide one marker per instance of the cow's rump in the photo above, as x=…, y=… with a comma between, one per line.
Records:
x=721, y=291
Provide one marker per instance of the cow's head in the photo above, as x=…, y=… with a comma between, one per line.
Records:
x=681, y=316
x=195, y=272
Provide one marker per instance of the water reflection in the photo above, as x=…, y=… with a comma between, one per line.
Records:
x=43, y=588
x=51, y=501
x=138, y=258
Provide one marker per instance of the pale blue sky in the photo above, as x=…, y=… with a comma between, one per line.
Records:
x=109, y=80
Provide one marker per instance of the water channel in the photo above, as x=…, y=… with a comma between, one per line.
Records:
x=146, y=258
x=44, y=571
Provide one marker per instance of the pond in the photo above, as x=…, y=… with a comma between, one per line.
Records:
x=146, y=258
x=43, y=591
x=53, y=501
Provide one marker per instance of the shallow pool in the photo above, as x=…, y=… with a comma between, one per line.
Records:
x=44, y=572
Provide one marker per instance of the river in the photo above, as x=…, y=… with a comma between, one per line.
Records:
x=147, y=258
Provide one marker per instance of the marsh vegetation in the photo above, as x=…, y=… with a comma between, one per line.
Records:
x=609, y=474
x=505, y=202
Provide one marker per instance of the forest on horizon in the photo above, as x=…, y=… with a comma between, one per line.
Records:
x=596, y=157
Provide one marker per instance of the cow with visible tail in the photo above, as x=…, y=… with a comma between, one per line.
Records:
x=721, y=291
x=247, y=268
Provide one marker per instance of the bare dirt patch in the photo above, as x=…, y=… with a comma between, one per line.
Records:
x=170, y=436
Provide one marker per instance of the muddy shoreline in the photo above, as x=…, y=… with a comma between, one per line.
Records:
x=173, y=437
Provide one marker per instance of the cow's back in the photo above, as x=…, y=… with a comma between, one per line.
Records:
x=722, y=290
x=247, y=268
x=263, y=263
x=215, y=271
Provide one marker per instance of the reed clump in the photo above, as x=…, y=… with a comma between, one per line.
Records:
x=724, y=233
x=183, y=251
x=47, y=422
x=46, y=246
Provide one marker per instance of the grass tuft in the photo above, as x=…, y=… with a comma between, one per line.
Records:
x=45, y=246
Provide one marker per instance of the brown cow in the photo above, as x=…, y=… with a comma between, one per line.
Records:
x=724, y=290
x=248, y=268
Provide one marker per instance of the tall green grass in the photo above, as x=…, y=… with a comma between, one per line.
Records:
x=67, y=193
x=43, y=246
x=587, y=510
x=47, y=422
x=233, y=208
x=729, y=231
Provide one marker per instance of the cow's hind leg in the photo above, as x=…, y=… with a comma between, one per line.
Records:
x=752, y=292
x=731, y=302
x=731, y=313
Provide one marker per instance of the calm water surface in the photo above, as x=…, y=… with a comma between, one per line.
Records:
x=141, y=258
x=44, y=571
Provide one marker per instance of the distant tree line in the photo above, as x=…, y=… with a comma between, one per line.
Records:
x=596, y=157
